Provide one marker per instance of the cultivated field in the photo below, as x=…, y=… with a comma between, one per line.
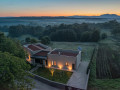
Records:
x=87, y=48
x=107, y=63
x=105, y=69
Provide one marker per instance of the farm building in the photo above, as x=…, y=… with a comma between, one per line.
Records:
x=39, y=54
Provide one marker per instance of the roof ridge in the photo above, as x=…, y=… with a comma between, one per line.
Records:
x=37, y=46
x=29, y=47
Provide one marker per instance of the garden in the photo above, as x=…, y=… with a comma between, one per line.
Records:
x=54, y=74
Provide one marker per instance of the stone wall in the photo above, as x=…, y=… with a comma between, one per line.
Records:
x=49, y=82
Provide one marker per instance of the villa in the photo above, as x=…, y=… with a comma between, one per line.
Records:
x=64, y=59
x=39, y=54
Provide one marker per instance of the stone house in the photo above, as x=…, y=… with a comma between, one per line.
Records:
x=39, y=54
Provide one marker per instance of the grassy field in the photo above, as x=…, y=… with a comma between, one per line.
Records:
x=6, y=33
x=87, y=48
x=23, y=37
x=58, y=76
x=107, y=31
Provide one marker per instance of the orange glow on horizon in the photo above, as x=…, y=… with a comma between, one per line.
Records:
x=54, y=15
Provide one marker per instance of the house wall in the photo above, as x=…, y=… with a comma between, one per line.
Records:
x=30, y=53
x=78, y=61
x=61, y=61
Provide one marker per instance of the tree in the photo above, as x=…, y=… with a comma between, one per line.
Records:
x=111, y=24
x=103, y=36
x=116, y=30
x=62, y=32
x=13, y=71
x=27, y=39
x=45, y=40
x=85, y=37
x=9, y=45
x=64, y=35
x=33, y=40
x=95, y=37
x=13, y=66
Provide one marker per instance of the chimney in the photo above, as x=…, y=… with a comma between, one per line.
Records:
x=59, y=53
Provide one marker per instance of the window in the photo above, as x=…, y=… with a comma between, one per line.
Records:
x=66, y=63
x=54, y=62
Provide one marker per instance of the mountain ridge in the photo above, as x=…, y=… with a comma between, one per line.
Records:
x=62, y=17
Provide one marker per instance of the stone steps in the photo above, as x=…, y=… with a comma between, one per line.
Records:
x=35, y=68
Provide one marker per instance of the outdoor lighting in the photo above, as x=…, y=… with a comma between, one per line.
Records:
x=49, y=65
x=60, y=66
x=70, y=68
x=29, y=59
x=52, y=62
x=66, y=63
x=52, y=71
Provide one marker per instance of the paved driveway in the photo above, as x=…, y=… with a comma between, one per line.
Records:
x=79, y=77
x=42, y=86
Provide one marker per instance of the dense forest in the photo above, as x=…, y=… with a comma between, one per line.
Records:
x=84, y=32
x=13, y=66
x=62, y=32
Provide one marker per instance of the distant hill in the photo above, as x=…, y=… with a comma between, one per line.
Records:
x=106, y=16
x=101, y=16
x=109, y=16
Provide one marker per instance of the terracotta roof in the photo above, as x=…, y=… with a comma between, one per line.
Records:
x=42, y=53
x=65, y=52
x=40, y=46
x=33, y=47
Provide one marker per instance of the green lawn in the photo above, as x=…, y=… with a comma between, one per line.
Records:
x=58, y=76
x=87, y=48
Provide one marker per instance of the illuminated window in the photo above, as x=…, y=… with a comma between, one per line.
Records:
x=66, y=63
x=54, y=62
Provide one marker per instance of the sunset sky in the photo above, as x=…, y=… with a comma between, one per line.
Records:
x=58, y=7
